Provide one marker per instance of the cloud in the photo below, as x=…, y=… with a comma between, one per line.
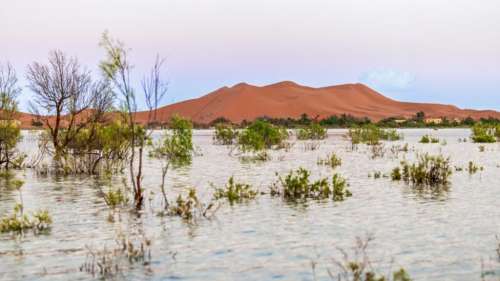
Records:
x=388, y=79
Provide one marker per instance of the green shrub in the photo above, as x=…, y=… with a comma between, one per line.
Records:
x=10, y=136
x=224, y=134
x=261, y=135
x=428, y=139
x=332, y=160
x=371, y=135
x=235, y=192
x=485, y=134
x=176, y=146
x=313, y=131
x=297, y=186
x=19, y=222
x=189, y=208
x=115, y=198
x=427, y=171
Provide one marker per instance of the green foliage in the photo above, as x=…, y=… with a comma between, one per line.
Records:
x=473, y=168
x=332, y=160
x=177, y=145
x=314, y=131
x=19, y=222
x=427, y=171
x=235, y=192
x=297, y=186
x=115, y=198
x=260, y=136
x=371, y=135
x=10, y=136
x=482, y=133
x=100, y=147
x=225, y=134
x=189, y=207
x=428, y=139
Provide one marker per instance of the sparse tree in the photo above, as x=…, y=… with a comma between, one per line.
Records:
x=66, y=99
x=117, y=69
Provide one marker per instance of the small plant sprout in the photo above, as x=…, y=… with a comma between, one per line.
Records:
x=331, y=160
x=235, y=192
x=190, y=208
x=474, y=168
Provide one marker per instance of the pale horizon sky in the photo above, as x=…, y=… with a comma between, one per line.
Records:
x=439, y=51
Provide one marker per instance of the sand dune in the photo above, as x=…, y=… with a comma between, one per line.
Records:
x=288, y=99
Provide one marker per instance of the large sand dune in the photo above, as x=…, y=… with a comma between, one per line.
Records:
x=288, y=99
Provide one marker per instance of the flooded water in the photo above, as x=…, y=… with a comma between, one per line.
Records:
x=434, y=235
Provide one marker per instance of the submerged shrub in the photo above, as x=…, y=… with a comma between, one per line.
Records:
x=261, y=135
x=235, y=192
x=473, y=168
x=371, y=135
x=482, y=133
x=357, y=266
x=427, y=171
x=313, y=131
x=115, y=198
x=297, y=186
x=110, y=263
x=224, y=134
x=331, y=160
x=20, y=222
x=190, y=208
x=10, y=136
x=428, y=139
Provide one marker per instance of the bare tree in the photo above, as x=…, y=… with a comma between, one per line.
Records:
x=117, y=68
x=65, y=98
x=154, y=88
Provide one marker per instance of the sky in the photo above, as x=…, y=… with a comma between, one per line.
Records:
x=443, y=51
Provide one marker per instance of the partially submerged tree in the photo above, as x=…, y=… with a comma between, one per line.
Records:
x=10, y=132
x=117, y=69
x=66, y=99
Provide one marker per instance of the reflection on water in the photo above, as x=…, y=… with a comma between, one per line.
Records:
x=435, y=234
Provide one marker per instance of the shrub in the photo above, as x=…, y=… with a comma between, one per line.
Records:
x=297, y=186
x=427, y=171
x=371, y=135
x=261, y=135
x=473, y=168
x=19, y=222
x=332, y=160
x=224, y=134
x=10, y=136
x=428, y=139
x=115, y=198
x=235, y=192
x=313, y=131
x=189, y=208
x=485, y=134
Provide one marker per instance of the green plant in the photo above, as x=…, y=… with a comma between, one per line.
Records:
x=371, y=135
x=115, y=198
x=189, y=207
x=297, y=186
x=235, y=192
x=473, y=168
x=429, y=139
x=20, y=222
x=261, y=135
x=482, y=133
x=175, y=149
x=224, y=134
x=427, y=171
x=331, y=160
x=356, y=266
x=314, y=131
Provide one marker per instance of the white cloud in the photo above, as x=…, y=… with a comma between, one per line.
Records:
x=388, y=79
